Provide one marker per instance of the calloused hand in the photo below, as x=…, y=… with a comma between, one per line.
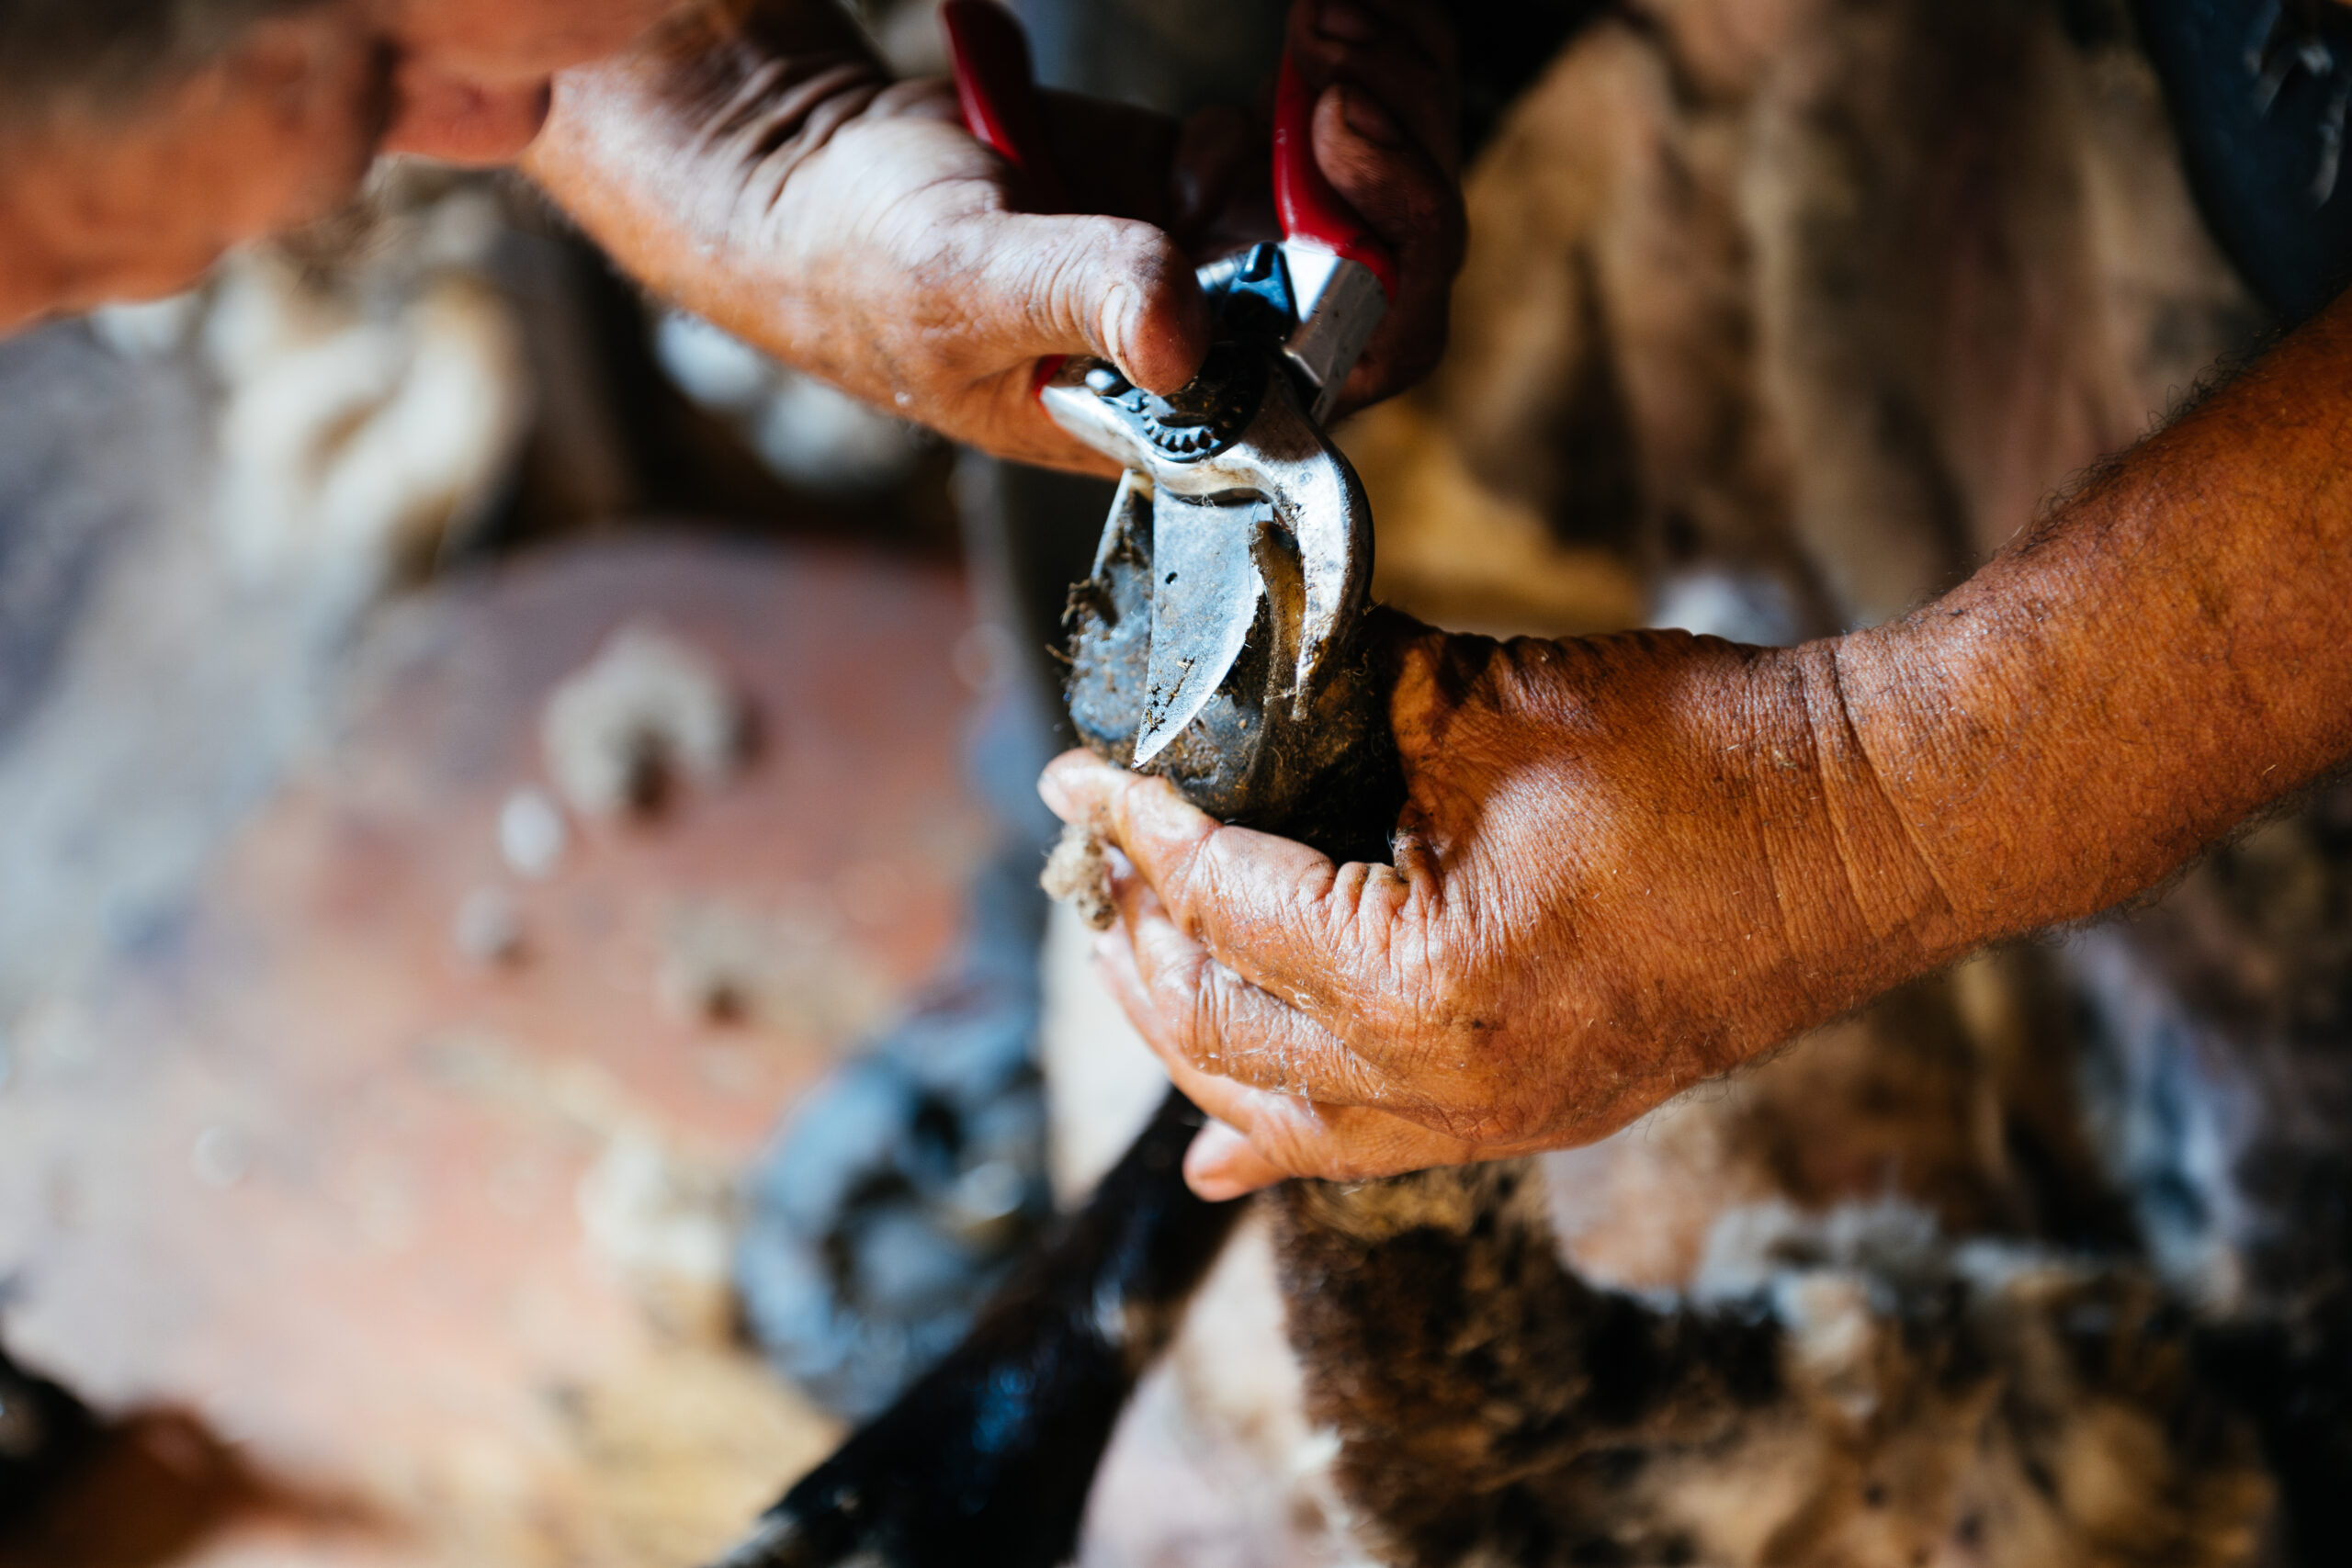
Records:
x=1625, y=865
x=756, y=165
x=1628, y=863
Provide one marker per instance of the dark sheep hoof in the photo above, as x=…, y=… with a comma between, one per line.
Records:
x=985, y=1461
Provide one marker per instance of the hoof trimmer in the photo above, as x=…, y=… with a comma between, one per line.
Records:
x=1221, y=642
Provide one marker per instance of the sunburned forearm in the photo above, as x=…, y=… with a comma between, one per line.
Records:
x=2168, y=652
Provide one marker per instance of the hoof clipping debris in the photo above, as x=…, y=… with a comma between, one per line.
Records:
x=1079, y=873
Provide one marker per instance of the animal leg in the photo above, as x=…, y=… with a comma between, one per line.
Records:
x=986, y=1460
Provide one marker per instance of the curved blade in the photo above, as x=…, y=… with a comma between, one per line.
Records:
x=1204, y=594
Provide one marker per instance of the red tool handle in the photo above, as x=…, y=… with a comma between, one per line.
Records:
x=1310, y=210
x=997, y=88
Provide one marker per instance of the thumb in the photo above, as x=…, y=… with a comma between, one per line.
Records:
x=1108, y=286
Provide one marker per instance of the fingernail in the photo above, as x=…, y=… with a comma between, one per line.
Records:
x=1368, y=120
x=1216, y=1188
x=1208, y=1163
x=1050, y=791
x=1337, y=18
x=1106, y=948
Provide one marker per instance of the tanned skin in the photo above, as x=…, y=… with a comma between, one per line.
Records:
x=753, y=160
x=1629, y=864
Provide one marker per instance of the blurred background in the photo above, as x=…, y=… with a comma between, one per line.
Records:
x=519, y=997
x=474, y=749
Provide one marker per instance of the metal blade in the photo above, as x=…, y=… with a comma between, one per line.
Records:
x=1204, y=595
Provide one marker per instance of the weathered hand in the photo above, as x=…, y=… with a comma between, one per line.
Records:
x=1625, y=865
x=756, y=165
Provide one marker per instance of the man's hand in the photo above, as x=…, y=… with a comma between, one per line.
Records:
x=1624, y=865
x=1628, y=863
x=754, y=164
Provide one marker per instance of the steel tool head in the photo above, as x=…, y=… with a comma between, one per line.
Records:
x=1275, y=510
x=1251, y=501
x=1251, y=505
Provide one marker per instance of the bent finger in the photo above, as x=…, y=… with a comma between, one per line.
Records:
x=1287, y=1136
x=1404, y=54
x=1416, y=26
x=1414, y=205
x=1279, y=914
x=1188, y=1005
x=1396, y=186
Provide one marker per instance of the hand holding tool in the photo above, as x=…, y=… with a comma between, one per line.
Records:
x=1216, y=641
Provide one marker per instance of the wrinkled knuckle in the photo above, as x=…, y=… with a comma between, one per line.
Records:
x=1055, y=289
x=1295, y=1149
x=1295, y=1139
x=1366, y=897
x=1325, y=1163
x=1316, y=902
x=936, y=271
x=1209, y=1018
x=1127, y=810
x=1216, y=859
x=1197, y=870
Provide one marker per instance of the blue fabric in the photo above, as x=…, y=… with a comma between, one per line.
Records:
x=2258, y=93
